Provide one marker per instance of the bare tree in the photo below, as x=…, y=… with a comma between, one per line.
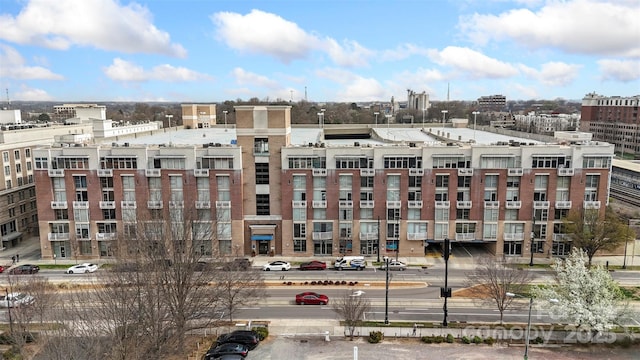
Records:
x=591, y=231
x=493, y=279
x=351, y=308
x=237, y=287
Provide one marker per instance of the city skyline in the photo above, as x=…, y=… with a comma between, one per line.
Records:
x=198, y=51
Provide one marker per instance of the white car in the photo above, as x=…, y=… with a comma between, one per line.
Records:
x=15, y=299
x=82, y=268
x=277, y=265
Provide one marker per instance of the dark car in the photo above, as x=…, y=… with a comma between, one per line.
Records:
x=239, y=264
x=24, y=269
x=248, y=338
x=311, y=298
x=220, y=350
x=313, y=265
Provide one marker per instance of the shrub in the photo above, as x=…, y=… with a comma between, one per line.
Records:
x=489, y=340
x=450, y=338
x=538, y=340
x=427, y=339
x=477, y=340
x=466, y=340
x=262, y=332
x=439, y=339
x=375, y=337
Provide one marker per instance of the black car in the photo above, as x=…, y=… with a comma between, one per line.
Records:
x=226, y=349
x=246, y=337
x=24, y=269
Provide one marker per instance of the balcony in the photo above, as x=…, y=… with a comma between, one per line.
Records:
x=513, y=204
x=465, y=236
x=591, y=205
x=345, y=204
x=105, y=172
x=56, y=172
x=368, y=236
x=319, y=172
x=223, y=204
x=107, y=204
x=416, y=172
x=319, y=204
x=59, y=205
x=513, y=236
x=128, y=204
x=492, y=204
x=299, y=204
x=563, y=205
x=204, y=204
x=201, y=172
x=152, y=172
x=515, y=172
x=414, y=204
x=541, y=204
x=80, y=204
x=442, y=204
x=58, y=236
x=561, y=237
x=394, y=204
x=176, y=204
x=465, y=172
x=367, y=172
x=464, y=204
x=566, y=172
x=367, y=204
x=326, y=235
x=106, y=236
x=154, y=204
x=416, y=236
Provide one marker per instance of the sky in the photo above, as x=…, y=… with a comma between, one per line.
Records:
x=319, y=51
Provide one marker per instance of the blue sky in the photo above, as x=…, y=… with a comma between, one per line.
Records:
x=334, y=50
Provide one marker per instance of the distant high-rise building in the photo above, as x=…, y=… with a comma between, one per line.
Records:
x=492, y=102
x=417, y=101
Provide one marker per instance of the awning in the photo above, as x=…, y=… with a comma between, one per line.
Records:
x=12, y=236
x=261, y=237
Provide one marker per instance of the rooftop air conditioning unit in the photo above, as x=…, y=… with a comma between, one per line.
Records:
x=356, y=144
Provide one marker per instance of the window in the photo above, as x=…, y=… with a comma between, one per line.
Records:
x=353, y=163
x=168, y=163
x=70, y=163
x=299, y=188
x=16, y=154
x=27, y=153
x=5, y=156
x=175, y=183
x=7, y=170
x=61, y=214
x=224, y=188
x=464, y=181
x=345, y=183
x=300, y=245
x=442, y=181
x=118, y=162
x=299, y=230
x=403, y=162
x=551, y=162
x=462, y=214
x=415, y=181
x=202, y=184
x=261, y=146
x=42, y=163
x=109, y=214
x=262, y=204
x=366, y=181
x=221, y=162
x=444, y=162
x=80, y=183
x=81, y=215
x=312, y=162
x=393, y=188
x=596, y=162
x=129, y=188
x=262, y=173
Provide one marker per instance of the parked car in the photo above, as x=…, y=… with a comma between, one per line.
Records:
x=15, y=299
x=311, y=298
x=394, y=265
x=239, y=264
x=226, y=349
x=313, y=265
x=84, y=268
x=350, y=263
x=24, y=269
x=277, y=265
x=1, y=269
x=248, y=338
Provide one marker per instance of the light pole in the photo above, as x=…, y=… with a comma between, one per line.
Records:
x=169, y=119
x=321, y=118
x=376, y=114
x=526, y=343
x=533, y=235
x=423, y=110
x=378, y=250
x=225, y=112
x=446, y=290
x=475, y=115
x=444, y=114
x=386, y=293
x=388, y=116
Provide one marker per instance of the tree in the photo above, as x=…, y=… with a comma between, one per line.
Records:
x=45, y=118
x=237, y=287
x=587, y=296
x=351, y=308
x=493, y=279
x=591, y=232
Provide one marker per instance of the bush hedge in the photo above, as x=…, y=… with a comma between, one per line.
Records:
x=375, y=337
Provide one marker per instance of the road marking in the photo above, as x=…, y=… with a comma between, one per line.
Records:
x=249, y=308
x=410, y=309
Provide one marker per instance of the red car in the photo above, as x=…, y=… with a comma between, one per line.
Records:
x=313, y=265
x=311, y=298
x=1, y=268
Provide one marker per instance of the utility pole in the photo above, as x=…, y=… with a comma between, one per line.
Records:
x=378, y=250
x=445, y=291
x=386, y=293
x=533, y=235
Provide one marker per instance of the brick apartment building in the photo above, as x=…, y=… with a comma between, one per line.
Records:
x=270, y=189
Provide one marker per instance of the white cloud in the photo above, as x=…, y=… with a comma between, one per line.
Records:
x=126, y=71
x=553, y=73
x=474, y=64
x=259, y=32
x=29, y=94
x=402, y=52
x=574, y=26
x=620, y=70
x=104, y=24
x=14, y=67
x=244, y=77
x=354, y=87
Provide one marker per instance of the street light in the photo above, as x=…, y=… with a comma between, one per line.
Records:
x=475, y=114
x=225, y=119
x=388, y=116
x=321, y=118
x=170, y=136
x=528, y=333
x=386, y=293
x=444, y=113
x=533, y=235
x=376, y=114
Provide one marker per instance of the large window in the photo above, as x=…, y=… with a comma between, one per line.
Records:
x=262, y=173
x=403, y=162
x=115, y=162
x=262, y=204
x=261, y=146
